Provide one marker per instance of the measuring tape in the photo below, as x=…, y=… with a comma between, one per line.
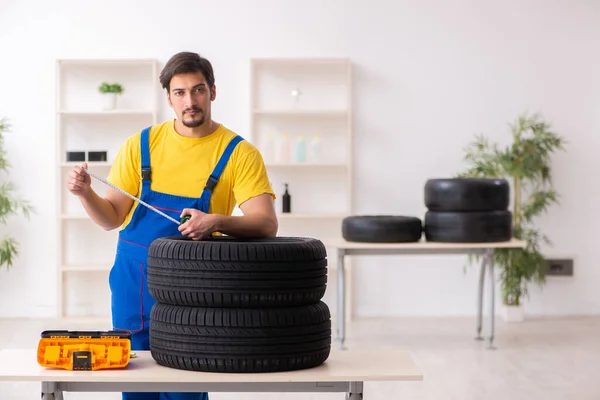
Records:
x=138, y=200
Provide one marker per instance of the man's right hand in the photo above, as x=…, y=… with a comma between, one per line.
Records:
x=79, y=182
x=109, y=212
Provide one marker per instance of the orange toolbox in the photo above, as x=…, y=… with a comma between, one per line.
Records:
x=84, y=350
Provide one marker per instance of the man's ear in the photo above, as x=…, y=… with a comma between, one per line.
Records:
x=213, y=93
x=168, y=98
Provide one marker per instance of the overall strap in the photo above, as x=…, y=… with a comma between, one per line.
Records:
x=213, y=179
x=145, y=150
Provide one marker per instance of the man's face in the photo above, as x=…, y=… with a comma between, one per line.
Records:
x=190, y=98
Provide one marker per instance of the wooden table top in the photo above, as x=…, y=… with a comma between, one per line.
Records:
x=342, y=366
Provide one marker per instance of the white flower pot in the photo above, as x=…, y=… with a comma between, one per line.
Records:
x=109, y=101
x=513, y=313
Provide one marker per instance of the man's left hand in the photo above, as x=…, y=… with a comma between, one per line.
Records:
x=200, y=225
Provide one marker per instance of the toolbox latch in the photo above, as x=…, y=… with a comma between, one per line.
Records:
x=82, y=360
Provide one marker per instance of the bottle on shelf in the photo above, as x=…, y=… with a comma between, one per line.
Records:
x=300, y=151
x=283, y=150
x=286, y=200
x=268, y=151
x=315, y=148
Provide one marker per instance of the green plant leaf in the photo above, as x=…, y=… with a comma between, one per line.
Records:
x=525, y=162
x=10, y=204
x=538, y=203
x=9, y=249
x=110, y=88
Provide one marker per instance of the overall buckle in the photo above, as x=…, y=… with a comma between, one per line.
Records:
x=211, y=183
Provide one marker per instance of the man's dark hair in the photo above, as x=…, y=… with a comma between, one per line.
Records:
x=183, y=63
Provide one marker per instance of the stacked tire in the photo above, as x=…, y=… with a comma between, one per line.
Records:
x=382, y=228
x=467, y=210
x=239, y=305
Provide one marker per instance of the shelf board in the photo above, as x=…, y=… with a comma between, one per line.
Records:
x=310, y=216
x=279, y=215
x=299, y=61
x=96, y=113
x=96, y=62
x=305, y=165
x=96, y=321
x=74, y=216
x=296, y=113
x=90, y=163
x=86, y=268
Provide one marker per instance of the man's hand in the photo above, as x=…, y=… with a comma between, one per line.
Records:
x=199, y=226
x=259, y=220
x=108, y=212
x=79, y=182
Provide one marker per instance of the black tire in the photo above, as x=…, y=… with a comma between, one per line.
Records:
x=468, y=227
x=230, y=272
x=467, y=194
x=240, y=340
x=381, y=228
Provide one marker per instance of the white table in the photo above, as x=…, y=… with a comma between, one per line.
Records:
x=345, y=248
x=344, y=372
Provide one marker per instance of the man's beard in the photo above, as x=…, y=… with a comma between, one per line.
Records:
x=192, y=123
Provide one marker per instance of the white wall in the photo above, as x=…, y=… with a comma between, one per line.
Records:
x=429, y=75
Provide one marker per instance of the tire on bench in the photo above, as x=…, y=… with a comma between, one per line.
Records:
x=230, y=272
x=468, y=227
x=240, y=340
x=382, y=228
x=467, y=194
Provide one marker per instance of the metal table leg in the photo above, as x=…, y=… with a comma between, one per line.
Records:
x=480, y=297
x=50, y=391
x=355, y=392
x=352, y=389
x=490, y=263
x=341, y=299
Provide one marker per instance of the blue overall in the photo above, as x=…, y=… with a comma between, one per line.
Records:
x=131, y=301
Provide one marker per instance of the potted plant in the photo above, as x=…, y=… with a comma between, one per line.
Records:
x=526, y=164
x=109, y=93
x=9, y=205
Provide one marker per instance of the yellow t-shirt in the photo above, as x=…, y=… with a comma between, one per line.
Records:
x=181, y=166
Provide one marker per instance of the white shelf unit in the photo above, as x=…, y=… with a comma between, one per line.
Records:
x=85, y=251
x=321, y=189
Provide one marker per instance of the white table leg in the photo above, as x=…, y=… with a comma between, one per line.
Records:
x=341, y=299
x=480, y=297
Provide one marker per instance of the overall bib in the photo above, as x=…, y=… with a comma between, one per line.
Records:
x=131, y=302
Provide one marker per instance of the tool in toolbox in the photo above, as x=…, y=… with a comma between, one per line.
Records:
x=185, y=218
x=84, y=350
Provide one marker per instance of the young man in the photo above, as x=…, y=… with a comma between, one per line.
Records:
x=190, y=165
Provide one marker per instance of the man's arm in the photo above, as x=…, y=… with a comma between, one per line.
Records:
x=108, y=212
x=259, y=220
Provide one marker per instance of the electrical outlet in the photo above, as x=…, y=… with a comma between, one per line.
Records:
x=559, y=267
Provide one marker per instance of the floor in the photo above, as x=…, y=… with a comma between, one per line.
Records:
x=549, y=359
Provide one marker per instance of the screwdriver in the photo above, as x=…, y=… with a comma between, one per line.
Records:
x=185, y=218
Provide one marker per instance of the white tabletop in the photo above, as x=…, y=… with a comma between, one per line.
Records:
x=423, y=245
x=341, y=366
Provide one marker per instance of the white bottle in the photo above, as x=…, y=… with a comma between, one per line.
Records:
x=300, y=150
x=283, y=150
x=268, y=152
x=315, y=149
